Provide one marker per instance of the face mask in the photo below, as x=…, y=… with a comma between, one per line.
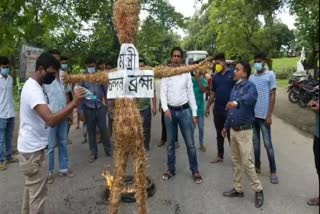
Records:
x=5, y=71
x=91, y=70
x=64, y=66
x=258, y=66
x=48, y=78
x=219, y=68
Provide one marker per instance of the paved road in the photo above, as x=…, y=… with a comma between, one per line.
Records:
x=82, y=194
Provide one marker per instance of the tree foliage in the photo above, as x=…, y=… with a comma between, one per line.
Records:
x=81, y=28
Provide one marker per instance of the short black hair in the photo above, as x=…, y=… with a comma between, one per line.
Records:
x=46, y=60
x=64, y=58
x=54, y=52
x=247, y=68
x=90, y=60
x=4, y=60
x=260, y=56
x=177, y=49
x=220, y=56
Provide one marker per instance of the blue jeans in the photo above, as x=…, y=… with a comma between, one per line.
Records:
x=182, y=118
x=59, y=135
x=201, y=129
x=6, y=133
x=259, y=124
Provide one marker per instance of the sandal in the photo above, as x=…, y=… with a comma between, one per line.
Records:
x=197, y=178
x=314, y=202
x=218, y=160
x=166, y=176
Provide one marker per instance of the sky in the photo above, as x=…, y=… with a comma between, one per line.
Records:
x=186, y=7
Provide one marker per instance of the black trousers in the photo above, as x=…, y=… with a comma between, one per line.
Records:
x=316, y=151
x=219, y=120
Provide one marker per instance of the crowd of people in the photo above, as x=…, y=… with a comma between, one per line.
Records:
x=243, y=107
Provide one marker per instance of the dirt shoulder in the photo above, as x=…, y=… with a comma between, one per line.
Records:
x=302, y=119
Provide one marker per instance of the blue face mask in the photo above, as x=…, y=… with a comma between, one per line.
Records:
x=5, y=71
x=258, y=66
x=91, y=70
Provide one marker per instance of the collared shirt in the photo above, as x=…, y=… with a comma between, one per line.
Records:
x=245, y=93
x=265, y=83
x=222, y=85
x=99, y=91
x=198, y=93
x=6, y=98
x=177, y=91
x=56, y=94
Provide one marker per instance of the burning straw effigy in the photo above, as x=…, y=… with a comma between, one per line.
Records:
x=128, y=130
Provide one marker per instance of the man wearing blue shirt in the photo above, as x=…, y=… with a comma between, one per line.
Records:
x=95, y=114
x=222, y=84
x=265, y=82
x=240, y=121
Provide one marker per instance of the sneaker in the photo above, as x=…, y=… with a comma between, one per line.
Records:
x=12, y=160
x=203, y=148
x=92, y=158
x=3, y=166
x=50, y=179
x=68, y=174
x=84, y=141
x=274, y=179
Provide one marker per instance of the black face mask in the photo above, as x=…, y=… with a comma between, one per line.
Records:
x=48, y=78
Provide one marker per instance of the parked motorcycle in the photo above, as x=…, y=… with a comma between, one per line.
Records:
x=308, y=93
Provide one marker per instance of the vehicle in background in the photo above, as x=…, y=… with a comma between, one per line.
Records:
x=192, y=56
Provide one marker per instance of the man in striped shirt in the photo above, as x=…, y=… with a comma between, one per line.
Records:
x=265, y=82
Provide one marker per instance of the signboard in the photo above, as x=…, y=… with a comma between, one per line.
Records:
x=129, y=81
x=28, y=58
x=133, y=84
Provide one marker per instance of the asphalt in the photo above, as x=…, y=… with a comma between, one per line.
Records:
x=84, y=194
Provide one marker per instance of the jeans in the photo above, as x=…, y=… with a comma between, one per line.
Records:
x=259, y=124
x=182, y=118
x=6, y=133
x=97, y=118
x=146, y=117
x=164, y=131
x=201, y=129
x=219, y=119
x=59, y=135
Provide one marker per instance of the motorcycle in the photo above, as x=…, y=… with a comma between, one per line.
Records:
x=307, y=93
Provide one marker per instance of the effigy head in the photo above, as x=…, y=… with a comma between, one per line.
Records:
x=126, y=19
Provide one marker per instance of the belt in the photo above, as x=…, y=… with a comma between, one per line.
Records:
x=179, y=108
x=242, y=128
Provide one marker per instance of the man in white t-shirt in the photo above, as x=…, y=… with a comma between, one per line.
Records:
x=36, y=119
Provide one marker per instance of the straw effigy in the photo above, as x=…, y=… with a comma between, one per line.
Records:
x=128, y=131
